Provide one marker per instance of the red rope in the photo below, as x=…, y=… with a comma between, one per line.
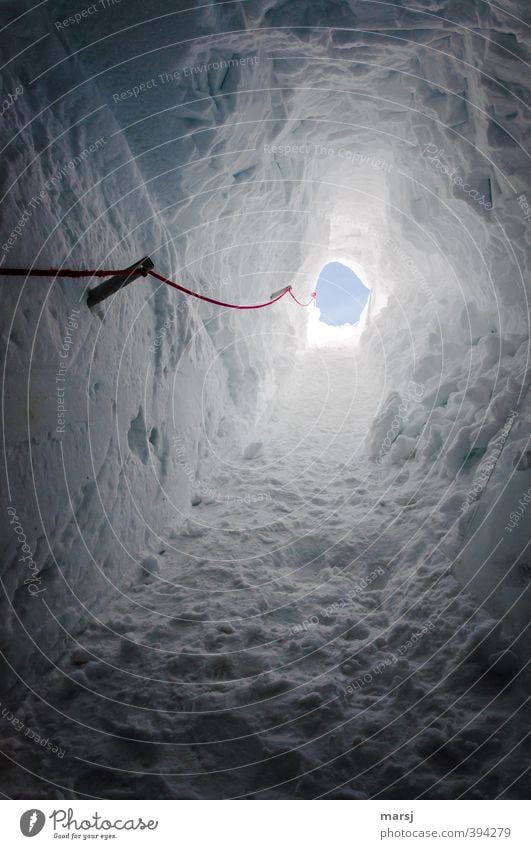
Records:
x=224, y=303
x=313, y=295
x=68, y=272
x=60, y=272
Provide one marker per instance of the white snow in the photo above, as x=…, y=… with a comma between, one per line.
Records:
x=271, y=556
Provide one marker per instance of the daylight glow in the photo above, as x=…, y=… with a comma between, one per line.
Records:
x=341, y=295
x=339, y=291
x=321, y=334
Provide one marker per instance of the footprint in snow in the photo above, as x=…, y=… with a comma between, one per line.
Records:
x=253, y=450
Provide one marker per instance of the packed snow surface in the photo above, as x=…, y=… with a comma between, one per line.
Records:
x=300, y=635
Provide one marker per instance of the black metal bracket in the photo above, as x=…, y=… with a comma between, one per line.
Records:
x=279, y=292
x=114, y=284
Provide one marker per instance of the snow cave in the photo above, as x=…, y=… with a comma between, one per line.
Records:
x=255, y=554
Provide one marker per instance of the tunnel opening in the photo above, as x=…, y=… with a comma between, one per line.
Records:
x=341, y=295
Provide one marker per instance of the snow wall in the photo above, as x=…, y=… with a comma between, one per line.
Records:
x=242, y=146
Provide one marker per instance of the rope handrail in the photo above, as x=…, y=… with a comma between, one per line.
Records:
x=226, y=303
x=145, y=271
x=61, y=272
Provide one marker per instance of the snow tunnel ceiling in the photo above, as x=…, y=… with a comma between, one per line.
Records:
x=388, y=135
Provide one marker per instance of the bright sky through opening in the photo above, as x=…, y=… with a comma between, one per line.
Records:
x=341, y=296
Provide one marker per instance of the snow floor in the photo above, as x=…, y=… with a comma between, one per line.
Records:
x=300, y=636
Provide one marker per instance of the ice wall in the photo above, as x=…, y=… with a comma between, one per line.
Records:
x=109, y=416
x=246, y=144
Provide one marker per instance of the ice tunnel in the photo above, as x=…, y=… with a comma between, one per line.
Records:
x=311, y=560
